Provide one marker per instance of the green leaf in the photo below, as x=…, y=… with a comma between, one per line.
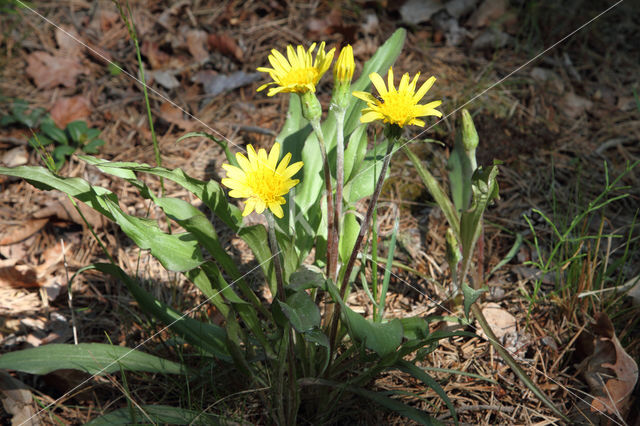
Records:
x=38, y=140
x=460, y=172
x=209, y=192
x=356, y=150
x=470, y=296
x=176, y=252
x=208, y=337
x=366, y=174
x=435, y=190
x=114, y=69
x=92, y=358
x=92, y=147
x=485, y=190
x=414, y=328
x=382, y=338
x=419, y=374
x=53, y=132
x=307, y=276
x=157, y=414
x=63, y=151
x=318, y=337
x=78, y=131
x=350, y=231
x=302, y=312
x=379, y=398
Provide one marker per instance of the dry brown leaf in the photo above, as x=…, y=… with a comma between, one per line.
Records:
x=174, y=115
x=226, y=45
x=488, y=12
x=66, y=110
x=501, y=321
x=51, y=258
x=17, y=156
x=574, y=106
x=17, y=276
x=48, y=71
x=156, y=57
x=608, y=370
x=196, y=42
x=69, y=42
x=108, y=19
x=16, y=233
x=17, y=401
x=63, y=209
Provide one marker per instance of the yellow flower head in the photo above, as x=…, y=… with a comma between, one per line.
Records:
x=345, y=65
x=261, y=180
x=298, y=72
x=400, y=106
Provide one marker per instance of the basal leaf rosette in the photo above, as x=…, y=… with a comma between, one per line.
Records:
x=261, y=179
x=398, y=106
x=299, y=72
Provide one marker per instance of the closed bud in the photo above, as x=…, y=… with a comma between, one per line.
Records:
x=311, y=108
x=469, y=134
x=345, y=65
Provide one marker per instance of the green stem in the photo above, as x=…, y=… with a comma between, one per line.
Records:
x=367, y=219
x=331, y=243
x=356, y=248
x=340, y=114
x=273, y=245
x=134, y=36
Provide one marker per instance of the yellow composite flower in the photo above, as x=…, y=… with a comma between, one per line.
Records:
x=261, y=180
x=298, y=72
x=399, y=106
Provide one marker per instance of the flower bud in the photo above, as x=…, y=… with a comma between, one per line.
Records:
x=311, y=108
x=342, y=75
x=344, y=67
x=469, y=133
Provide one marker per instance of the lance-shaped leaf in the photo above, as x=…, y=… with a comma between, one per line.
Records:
x=92, y=358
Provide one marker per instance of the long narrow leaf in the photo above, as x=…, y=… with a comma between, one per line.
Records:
x=92, y=358
x=419, y=374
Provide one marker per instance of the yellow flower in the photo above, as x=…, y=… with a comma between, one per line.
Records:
x=261, y=180
x=345, y=65
x=400, y=106
x=299, y=72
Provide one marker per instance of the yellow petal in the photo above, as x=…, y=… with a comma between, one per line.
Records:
x=276, y=209
x=249, y=206
x=365, y=96
x=378, y=82
x=424, y=88
x=390, y=85
x=371, y=116
x=292, y=170
x=262, y=157
x=243, y=162
x=253, y=157
x=274, y=154
x=260, y=205
x=404, y=82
